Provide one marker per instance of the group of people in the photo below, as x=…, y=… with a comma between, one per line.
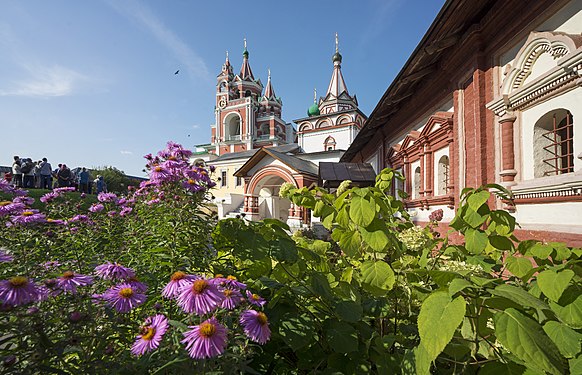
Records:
x=29, y=174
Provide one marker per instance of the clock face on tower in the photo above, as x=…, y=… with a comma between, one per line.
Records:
x=222, y=103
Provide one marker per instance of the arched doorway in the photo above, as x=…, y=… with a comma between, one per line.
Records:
x=271, y=205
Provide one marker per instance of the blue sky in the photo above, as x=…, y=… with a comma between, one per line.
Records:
x=91, y=83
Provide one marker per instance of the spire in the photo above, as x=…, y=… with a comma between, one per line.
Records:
x=269, y=91
x=245, y=70
x=315, y=95
x=314, y=109
x=337, y=84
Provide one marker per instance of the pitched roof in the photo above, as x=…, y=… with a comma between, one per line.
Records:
x=291, y=147
x=332, y=174
x=292, y=161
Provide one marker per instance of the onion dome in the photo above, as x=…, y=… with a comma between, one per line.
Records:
x=314, y=109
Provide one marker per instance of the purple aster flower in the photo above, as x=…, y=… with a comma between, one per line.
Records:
x=11, y=208
x=50, y=264
x=200, y=296
x=83, y=195
x=192, y=186
x=28, y=217
x=5, y=257
x=255, y=299
x=112, y=213
x=5, y=186
x=152, y=201
x=123, y=297
x=136, y=284
x=233, y=282
x=70, y=281
x=232, y=299
x=106, y=197
x=212, y=168
x=206, y=340
x=177, y=281
x=256, y=326
x=151, y=335
x=55, y=221
x=98, y=207
x=24, y=199
x=159, y=174
x=125, y=211
x=65, y=189
x=114, y=271
x=49, y=197
x=19, y=291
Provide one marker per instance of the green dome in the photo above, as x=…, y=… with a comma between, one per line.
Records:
x=246, y=53
x=313, y=110
x=337, y=57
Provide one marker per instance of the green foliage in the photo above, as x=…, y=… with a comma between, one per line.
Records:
x=117, y=181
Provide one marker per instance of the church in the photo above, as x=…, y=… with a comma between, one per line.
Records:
x=255, y=151
x=492, y=94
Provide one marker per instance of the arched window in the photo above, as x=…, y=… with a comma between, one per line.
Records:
x=554, y=144
x=223, y=87
x=416, y=186
x=265, y=130
x=247, y=93
x=232, y=127
x=329, y=144
x=443, y=175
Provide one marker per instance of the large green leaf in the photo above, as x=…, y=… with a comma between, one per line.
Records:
x=457, y=285
x=375, y=235
x=518, y=266
x=341, y=337
x=297, y=331
x=362, y=210
x=438, y=319
x=526, y=339
x=350, y=242
x=476, y=200
x=553, y=283
x=571, y=313
x=566, y=339
x=475, y=241
x=377, y=274
x=519, y=296
x=540, y=251
x=349, y=311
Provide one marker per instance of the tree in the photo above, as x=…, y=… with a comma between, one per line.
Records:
x=115, y=179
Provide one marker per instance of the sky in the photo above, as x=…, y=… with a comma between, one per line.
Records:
x=92, y=83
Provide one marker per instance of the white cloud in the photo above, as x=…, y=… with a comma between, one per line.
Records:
x=125, y=152
x=196, y=126
x=139, y=12
x=46, y=82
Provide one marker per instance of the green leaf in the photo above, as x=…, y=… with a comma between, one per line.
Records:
x=438, y=320
x=343, y=218
x=320, y=285
x=576, y=365
x=362, y=210
x=519, y=296
x=476, y=200
x=501, y=242
x=350, y=242
x=349, y=311
x=377, y=274
x=553, y=283
x=375, y=235
x=541, y=251
x=519, y=266
x=566, y=339
x=571, y=314
x=474, y=218
x=341, y=337
x=297, y=330
x=526, y=339
x=475, y=241
x=457, y=285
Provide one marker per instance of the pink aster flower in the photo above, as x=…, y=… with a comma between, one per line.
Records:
x=256, y=326
x=5, y=257
x=70, y=281
x=255, y=299
x=123, y=297
x=151, y=335
x=97, y=207
x=65, y=189
x=11, y=208
x=178, y=280
x=200, y=296
x=19, y=291
x=24, y=199
x=106, y=197
x=125, y=211
x=114, y=271
x=232, y=299
x=159, y=174
x=28, y=217
x=206, y=340
x=49, y=197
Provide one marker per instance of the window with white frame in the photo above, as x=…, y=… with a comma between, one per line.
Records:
x=223, y=178
x=443, y=175
x=554, y=144
x=416, y=183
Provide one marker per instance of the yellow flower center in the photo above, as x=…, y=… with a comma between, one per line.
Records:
x=199, y=286
x=27, y=213
x=262, y=318
x=158, y=169
x=227, y=292
x=126, y=292
x=4, y=203
x=68, y=275
x=147, y=333
x=219, y=275
x=191, y=181
x=207, y=329
x=255, y=297
x=172, y=158
x=230, y=277
x=18, y=281
x=178, y=275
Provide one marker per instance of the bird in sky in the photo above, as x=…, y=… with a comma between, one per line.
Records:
x=177, y=71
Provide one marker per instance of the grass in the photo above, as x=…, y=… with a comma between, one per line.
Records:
x=74, y=197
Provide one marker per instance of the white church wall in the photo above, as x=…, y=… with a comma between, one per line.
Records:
x=315, y=141
x=561, y=217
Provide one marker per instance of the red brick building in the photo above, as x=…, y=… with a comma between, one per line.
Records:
x=492, y=93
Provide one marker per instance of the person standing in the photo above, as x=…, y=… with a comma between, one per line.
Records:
x=36, y=171
x=84, y=181
x=16, y=173
x=27, y=170
x=64, y=176
x=46, y=178
x=100, y=185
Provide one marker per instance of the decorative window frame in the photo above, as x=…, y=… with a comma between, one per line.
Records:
x=421, y=146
